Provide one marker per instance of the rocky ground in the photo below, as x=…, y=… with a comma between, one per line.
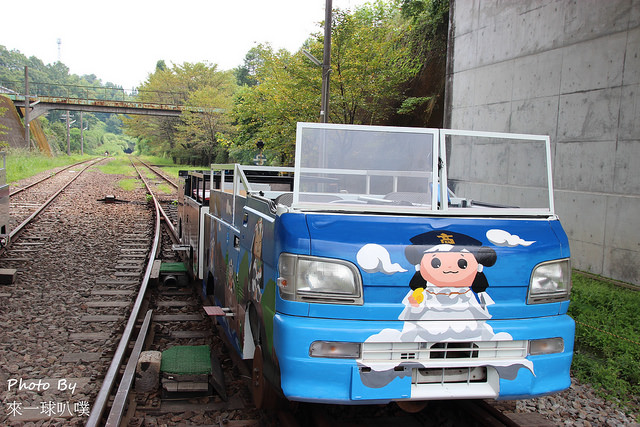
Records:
x=580, y=405
x=52, y=358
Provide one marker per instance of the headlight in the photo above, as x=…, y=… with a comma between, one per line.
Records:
x=336, y=350
x=550, y=282
x=321, y=280
x=546, y=346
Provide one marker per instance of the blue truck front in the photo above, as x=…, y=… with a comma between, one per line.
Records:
x=375, y=308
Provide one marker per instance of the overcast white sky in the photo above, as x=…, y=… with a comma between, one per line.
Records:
x=120, y=41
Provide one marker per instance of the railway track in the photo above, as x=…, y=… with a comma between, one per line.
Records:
x=28, y=201
x=81, y=266
x=169, y=317
x=62, y=315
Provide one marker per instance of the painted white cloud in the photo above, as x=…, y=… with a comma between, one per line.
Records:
x=374, y=258
x=504, y=238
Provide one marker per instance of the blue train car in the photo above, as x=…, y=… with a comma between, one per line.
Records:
x=393, y=264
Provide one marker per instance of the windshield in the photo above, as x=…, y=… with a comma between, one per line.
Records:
x=497, y=172
x=391, y=169
x=363, y=167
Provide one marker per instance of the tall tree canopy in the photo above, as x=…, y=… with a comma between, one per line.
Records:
x=194, y=137
x=384, y=71
x=286, y=92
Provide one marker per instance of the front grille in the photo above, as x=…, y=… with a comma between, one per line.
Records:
x=469, y=375
x=437, y=351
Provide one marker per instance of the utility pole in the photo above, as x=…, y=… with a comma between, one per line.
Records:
x=326, y=61
x=81, y=135
x=68, y=136
x=27, y=102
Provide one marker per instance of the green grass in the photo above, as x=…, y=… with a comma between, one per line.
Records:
x=130, y=184
x=607, y=346
x=172, y=171
x=168, y=166
x=22, y=164
x=156, y=160
x=120, y=165
x=165, y=188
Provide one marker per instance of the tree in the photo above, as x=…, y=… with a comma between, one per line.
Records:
x=193, y=135
x=429, y=21
x=286, y=92
x=3, y=143
x=203, y=131
x=114, y=124
x=246, y=74
x=371, y=62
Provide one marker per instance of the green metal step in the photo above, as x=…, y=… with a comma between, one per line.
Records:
x=173, y=267
x=186, y=360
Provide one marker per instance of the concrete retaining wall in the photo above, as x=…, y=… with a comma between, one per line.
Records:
x=13, y=128
x=569, y=69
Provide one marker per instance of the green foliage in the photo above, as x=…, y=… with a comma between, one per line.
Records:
x=371, y=60
x=55, y=80
x=3, y=144
x=427, y=38
x=158, y=160
x=410, y=105
x=114, y=124
x=165, y=188
x=23, y=164
x=167, y=165
x=607, y=336
x=287, y=92
x=194, y=137
x=378, y=76
x=246, y=74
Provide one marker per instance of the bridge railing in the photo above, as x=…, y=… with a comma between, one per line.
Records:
x=95, y=93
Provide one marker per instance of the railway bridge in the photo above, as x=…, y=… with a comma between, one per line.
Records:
x=33, y=99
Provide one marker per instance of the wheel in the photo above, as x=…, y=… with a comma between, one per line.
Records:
x=264, y=396
x=412, y=406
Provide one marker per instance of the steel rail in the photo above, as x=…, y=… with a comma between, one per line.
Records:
x=486, y=415
x=119, y=401
x=158, y=172
x=18, y=229
x=165, y=217
x=21, y=189
x=102, y=399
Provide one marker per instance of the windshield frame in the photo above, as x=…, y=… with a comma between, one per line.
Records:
x=439, y=174
x=374, y=204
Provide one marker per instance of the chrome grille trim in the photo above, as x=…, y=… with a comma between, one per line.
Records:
x=440, y=351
